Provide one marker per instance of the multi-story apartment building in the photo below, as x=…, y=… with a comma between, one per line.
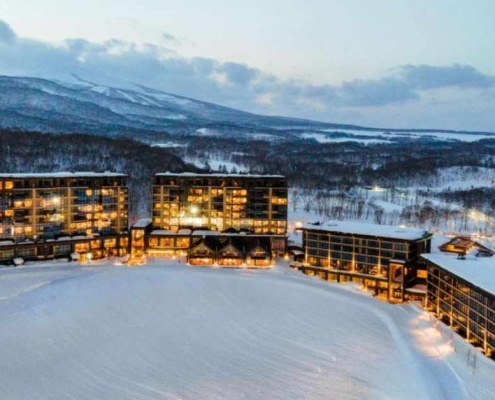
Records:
x=382, y=258
x=51, y=207
x=219, y=212
x=461, y=293
x=256, y=203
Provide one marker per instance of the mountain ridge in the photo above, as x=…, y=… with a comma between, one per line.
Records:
x=145, y=113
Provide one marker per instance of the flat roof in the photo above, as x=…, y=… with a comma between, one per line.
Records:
x=480, y=271
x=164, y=232
x=367, y=229
x=194, y=175
x=205, y=232
x=62, y=175
x=141, y=223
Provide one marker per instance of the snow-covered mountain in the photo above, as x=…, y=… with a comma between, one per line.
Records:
x=78, y=105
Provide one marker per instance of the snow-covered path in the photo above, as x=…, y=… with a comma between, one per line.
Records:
x=167, y=331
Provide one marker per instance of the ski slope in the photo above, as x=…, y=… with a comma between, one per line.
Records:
x=168, y=331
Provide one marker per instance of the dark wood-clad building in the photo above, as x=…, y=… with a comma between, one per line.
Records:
x=50, y=215
x=461, y=293
x=382, y=258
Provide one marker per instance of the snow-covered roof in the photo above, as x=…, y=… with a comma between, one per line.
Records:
x=62, y=175
x=206, y=233
x=163, y=232
x=361, y=228
x=488, y=242
x=193, y=174
x=437, y=241
x=480, y=271
x=142, y=223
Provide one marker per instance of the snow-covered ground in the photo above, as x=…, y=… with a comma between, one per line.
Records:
x=215, y=163
x=425, y=192
x=444, y=136
x=168, y=331
x=327, y=138
x=172, y=145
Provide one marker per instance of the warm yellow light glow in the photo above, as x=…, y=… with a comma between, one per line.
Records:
x=194, y=210
x=56, y=200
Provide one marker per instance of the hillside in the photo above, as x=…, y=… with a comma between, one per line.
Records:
x=145, y=114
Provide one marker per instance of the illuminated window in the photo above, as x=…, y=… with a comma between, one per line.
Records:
x=9, y=185
x=183, y=242
x=82, y=247
x=109, y=243
x=166, y=242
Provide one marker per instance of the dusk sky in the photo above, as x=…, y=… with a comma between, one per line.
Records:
x=384, y=63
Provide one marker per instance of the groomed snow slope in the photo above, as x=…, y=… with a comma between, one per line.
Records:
x=167, y=331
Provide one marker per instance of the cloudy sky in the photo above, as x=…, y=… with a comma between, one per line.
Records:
x=385, y=63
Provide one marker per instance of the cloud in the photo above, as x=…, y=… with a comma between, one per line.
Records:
x=238, y=74
x=431, y=77
x=403, y=91
x=7, y=35
x=169, y=38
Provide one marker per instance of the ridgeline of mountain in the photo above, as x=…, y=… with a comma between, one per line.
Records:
x=142, y=113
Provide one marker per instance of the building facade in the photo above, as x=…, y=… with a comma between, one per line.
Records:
x=461, y=293
x=217, y=202
x=44, y=215
x=193, y=213
x=382, y=258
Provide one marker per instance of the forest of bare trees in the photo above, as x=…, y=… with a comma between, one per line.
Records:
x=334, y=180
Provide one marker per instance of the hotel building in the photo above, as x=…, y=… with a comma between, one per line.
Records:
x=192, y=212
x=256, y=203
x=44, y=215
x=382, y=258
x=461, y=293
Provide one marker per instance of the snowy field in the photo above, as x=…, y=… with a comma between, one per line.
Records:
x=168, y=331
x=443, y=136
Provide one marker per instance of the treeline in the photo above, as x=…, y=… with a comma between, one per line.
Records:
x=457, y=211
x=24, y=152
x=312, y=165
